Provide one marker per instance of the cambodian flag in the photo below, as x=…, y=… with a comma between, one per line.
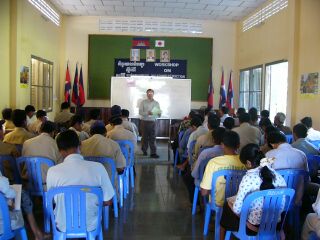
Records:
x=81, y=89
x=140, y=42
x=210, y=91
x=67, y=86
x=75, y=93
x=222, y=101
x=230, y=93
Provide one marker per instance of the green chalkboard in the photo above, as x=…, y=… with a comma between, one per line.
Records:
x=103, y=49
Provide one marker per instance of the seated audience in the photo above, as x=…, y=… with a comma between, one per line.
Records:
x=260, y=176
x=266, y=146
x=313, y=135
x=300, y=142
x=30, y=110
x=186, y=123
x=127, y=124
x=312, y=222
x=247, y=133
x=253, y=112
x=264, y=116
x=224, y=113
x=196, y=124
x=36, y=125
x=98, y=145
x=19, y=135
x=65, y=115
x=206, y=140
x=229, y=123
x=120, y=133
x=209, y=153
x=115, y=111
x=279, y=121
x=239, y=112
x=207, y=111
x=43, y=145
x=76, y=123
x=74, y=170
x=230, y=160
x=94, y=115
x=6, y=115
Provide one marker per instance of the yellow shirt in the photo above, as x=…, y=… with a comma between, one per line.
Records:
x=8, y=125
x=216, y=164
x=17, y=136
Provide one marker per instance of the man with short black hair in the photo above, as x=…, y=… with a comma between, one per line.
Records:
x=247, y=133
x=229, y=123
x=64, y=116
x=74, y=170
x=94, y=115
x=8, y=124
x=300, y=142
x=30, y=110
x=76, y=123
x=253, y=112
x=19, y=135
x=224, y=113
x=313, y=135
x=127, y=124
x=115, y=112
x=36, y=125
x=149, y=111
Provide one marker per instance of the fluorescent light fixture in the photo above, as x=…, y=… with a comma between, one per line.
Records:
x=45, y=9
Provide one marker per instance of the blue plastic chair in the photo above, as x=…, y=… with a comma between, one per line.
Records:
x=233, y=179
x=271, y=211
x=74, y=199
x=289, y=138
x=313, y=164
x=35, y=183
x=127, y=148
x=315, y=143
x=110, y=162
x=313, y=236
x=176, y=156
x=191, y=150
x=8, y=233
x=293, y=178
x=12, y=162
x=201, y=169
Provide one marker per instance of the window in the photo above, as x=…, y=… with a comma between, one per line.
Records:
x=41, y=83
x=250, y=88
x=276, y=88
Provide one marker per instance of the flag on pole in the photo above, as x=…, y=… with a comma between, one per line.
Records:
x=81, y=89
x=159, y=43
x=210, y=91
x=230, y=93
x=75, y=94
x=67, y=86
x=222, y=101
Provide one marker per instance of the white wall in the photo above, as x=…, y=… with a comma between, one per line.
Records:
x=75, y=41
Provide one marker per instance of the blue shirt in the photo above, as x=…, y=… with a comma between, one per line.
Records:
x=303, y=145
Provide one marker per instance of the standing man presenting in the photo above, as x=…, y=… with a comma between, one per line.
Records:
x=149, y=110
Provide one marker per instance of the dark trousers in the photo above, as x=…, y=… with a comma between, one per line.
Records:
x=189, y=182
x=149, y=136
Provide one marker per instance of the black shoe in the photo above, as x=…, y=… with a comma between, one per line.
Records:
x=154, y=155
x=145, y=153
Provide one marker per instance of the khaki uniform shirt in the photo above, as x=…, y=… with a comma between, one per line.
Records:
x=87, y=125
x=8, y=125
x=120, y=133
x=63, y=116
x=109, y=127
x=18, y=136
x=99, y=145
x=205, y=140
x=8, y=149
x=42, y=146
x=248, y=134
x=82, y=135
x=35, y=127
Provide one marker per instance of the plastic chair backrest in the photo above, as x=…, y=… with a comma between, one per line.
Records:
x=12, y=162
x=127, y=149
x=313, y=164
x=293, y=177
x=191, y=148
x=315, y=143
x=289, y=138
x=74, y=198
x=33, y=166
x=232, y=178
x=104, y=160
x=180, y=135
x=203, y=148
x=202, y=167
x=271, y=211
x=7, y=231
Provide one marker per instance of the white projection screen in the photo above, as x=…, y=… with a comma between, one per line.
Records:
x=173, y=95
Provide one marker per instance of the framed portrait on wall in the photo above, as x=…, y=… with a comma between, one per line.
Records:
x=135, y=55
x=165, y=56
x=150, y=55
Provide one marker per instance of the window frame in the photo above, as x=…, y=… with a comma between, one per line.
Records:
x=37, y=86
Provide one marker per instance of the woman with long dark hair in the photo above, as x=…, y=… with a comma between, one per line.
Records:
x=260, y=176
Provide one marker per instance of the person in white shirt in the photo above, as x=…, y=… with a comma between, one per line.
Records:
x=77, y=171
x=260, y=176
x=36, y=125
x=76, y=123
x=312, y=222
x=313, y=135
x=248, y=133
x=224, y=114
x=30, y=110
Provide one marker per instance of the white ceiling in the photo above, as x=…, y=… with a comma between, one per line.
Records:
x=230, y=10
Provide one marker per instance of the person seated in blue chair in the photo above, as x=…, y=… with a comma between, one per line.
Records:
x=299, y=135
x=313, y=135
x=279, y=120
x=260, y=176
x=76, y=171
